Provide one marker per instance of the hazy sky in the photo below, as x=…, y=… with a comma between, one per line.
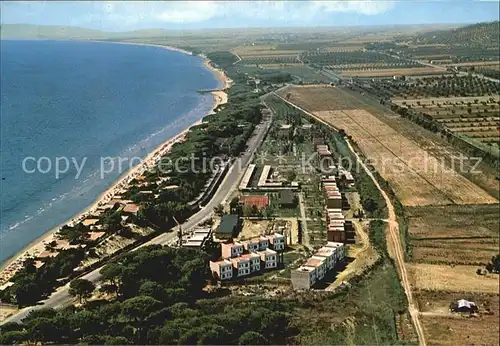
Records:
x=130, y=15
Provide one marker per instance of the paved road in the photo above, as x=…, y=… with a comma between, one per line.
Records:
x=61, y=297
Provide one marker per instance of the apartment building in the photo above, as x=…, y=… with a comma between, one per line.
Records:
x=241, y=266
x=269, y=258
x=316, y=267
x=251, y=245
x=263, y=243
x=277, y=242
x=303, y=278
x=329, y=255
x=254, y=260
x=222, y=270
x=319, y=263
x=230, y=250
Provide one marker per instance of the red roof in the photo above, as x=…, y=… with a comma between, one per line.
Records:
x=259, y=201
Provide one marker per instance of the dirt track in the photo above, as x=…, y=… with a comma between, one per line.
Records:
x=397, y=250
x=396, y=246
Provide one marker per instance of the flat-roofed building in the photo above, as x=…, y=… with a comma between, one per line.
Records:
x=241, y=265
x=277, y=242
x=251, y=245
x=335, y=233
x=259, y=201
x=316, y=267
x=319, y=263
x=230, y=250
x=339, y=250
x=263, y=243
x=333, y=199
x=303, y=277
x=264, y=175
x=329, y=255
x=222, y=270
x=269, y=258
x=246, y=178
x=254, y=261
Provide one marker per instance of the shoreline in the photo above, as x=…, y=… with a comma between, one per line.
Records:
x=37, y=246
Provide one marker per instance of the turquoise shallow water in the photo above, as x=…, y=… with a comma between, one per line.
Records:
x=83, y=101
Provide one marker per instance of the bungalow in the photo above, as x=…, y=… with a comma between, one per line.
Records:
x=463, y=305
x=259, y=201
x=131, y=208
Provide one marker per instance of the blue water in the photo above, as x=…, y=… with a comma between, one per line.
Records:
x=83, y=100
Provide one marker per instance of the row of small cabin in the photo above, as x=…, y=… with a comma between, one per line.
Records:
x=338, y=229
x=240, y=259
x=316, y=267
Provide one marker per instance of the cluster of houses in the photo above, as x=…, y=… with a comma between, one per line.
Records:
x=316, y=267
x=240, y=259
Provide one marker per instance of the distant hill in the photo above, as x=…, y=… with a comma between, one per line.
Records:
x=27, y=31
x=476, y=34
x=24, y=31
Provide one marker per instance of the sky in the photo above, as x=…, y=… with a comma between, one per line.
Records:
x=134, y=15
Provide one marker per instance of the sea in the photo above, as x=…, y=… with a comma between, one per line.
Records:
x=68, y=108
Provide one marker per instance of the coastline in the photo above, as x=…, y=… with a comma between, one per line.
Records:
x=37, y=246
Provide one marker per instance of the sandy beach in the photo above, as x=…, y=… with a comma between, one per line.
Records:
x=12, y=265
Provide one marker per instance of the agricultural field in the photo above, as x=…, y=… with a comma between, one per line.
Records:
x=434, y=87
x=454, y=234
x=389, y=72
x=474, y=117
x=265, y=55
x=458, y=278
x=357, y=58
x=459, y=330
x=417, y=177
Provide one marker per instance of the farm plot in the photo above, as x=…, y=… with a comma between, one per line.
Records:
x=459, y=278
x=319, y=97
x=460, y=330
x=454, y=234
x=474, y=117
x=443, y=86
x=439, y=302
x=356, y=57
x=389, y=71
x=417, y=177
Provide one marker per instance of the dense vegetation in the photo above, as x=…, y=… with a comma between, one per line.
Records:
x=476, y=34
x=439, y=86
x=221, y=135
x=357, y=57
x=154, y=296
